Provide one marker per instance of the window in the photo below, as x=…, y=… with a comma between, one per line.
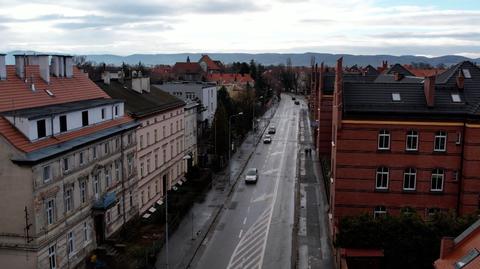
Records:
x=108, y=179
x=109, y=217
x=456, y=174
x=458, y=141
x=456, y=98
x=181, y=124
x=412, y=141
x=141, y=169
x=396, y=97
x=130, y=196
x=117, y=143
x=141, y=198
x=130, y=138
x=148, y=166
x=437, y=180
x=440, y=141
x=83, y=192
x=52, y=259
x=407, y=211
x=164, y=155
x=50, y=211
x=68, y=199
x=96, y=186
x=466, y=73
x=41, y=129
x=103, y=113
x=156, y=159
x=141, y=141
x=432, y=212
x=47, y=173
x=384, y=140
x=94, y=149
x=409, y=179
x=382, y=178
x=171, y=128
x=105, y=148
x=65, y=164
x=70, y=243
x=163, y=131
x=63, y=123
x=171, y=151
x=148, y=193
x=86, y=232
x=119, y=209
x=116, y=110
x=81, y=158
x=148, y=139
x=156, y=135
x=176, y=124
x=84, y=118
x=130, y=164
x=379, y=211
x=117, y=170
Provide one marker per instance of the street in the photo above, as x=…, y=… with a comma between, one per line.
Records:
x=255, y=229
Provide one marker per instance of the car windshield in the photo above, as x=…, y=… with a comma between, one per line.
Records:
x=251, y=172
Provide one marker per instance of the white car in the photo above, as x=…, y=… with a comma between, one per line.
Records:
x=267, y=139
x=271, y=130
x=251, y=176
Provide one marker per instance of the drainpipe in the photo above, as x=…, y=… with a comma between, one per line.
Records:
x=460, y=173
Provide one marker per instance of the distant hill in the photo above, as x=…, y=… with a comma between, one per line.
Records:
x=298, y=59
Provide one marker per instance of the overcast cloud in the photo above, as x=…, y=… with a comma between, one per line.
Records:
x=351, y=26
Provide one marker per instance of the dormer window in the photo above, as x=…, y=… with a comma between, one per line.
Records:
x=103, y=113
x=85, y=118
x=41, y=129
x=466, y=73
x=63, y=123
x=456, y=98
x=116, y=111
x=396, y=97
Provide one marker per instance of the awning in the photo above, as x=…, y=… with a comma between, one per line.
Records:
x=152, y=209
x=106, y=201
x=146, y=216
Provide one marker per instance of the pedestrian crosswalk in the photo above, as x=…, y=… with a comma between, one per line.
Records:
x=250, y=249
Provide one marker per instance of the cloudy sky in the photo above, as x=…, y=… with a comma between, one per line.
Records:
x=431, y=28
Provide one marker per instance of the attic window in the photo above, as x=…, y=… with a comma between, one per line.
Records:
x=49, y=92
x=470, y=256
x=396, y=97
x=456, y=98
x=466, y=73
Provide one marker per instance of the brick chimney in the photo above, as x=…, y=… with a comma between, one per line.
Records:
x=3, y=67
x=446, y=246
x=322, y=79
x=338, y=93
x=460, y=80
x=429, y=90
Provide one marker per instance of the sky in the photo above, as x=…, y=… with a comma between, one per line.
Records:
x=430, y=28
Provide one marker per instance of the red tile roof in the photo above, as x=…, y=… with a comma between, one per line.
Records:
x=16, y=94
x=229, y=78
x=211, y=65
x=187, y=68
x=419, y=72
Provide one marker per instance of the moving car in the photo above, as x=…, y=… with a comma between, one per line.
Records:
x=267, y=139
x=271, y=130
x=251, y=176
x=297, y=102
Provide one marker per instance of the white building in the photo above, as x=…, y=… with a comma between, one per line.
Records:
x=190, y=120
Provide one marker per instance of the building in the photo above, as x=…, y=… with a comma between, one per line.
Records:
x=67, y=163
x=462, y=251
x=188, y=71
x=203, y=93
x=160, y=137
x=235, y=84
x=403, y=143
x=210, y=66
x=190, y=119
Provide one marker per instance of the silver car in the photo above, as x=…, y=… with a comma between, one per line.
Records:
x=251, y=176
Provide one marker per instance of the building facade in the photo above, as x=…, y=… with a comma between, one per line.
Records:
x=68, y=164
x=403, y=143
x=190, y=121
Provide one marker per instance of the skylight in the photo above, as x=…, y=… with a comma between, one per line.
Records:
x=396, y=97
x=470, y=256
x=466, y=73
x=456, y=98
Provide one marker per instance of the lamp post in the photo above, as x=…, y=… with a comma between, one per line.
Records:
x=230, y=143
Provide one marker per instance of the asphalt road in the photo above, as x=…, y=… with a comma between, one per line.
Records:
x=255, y=230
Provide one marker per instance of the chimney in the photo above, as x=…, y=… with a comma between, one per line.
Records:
x=429, y=89
x=3, y=67
x=446, y=246
x=44, y=66
x=69, y=66
x=384, y=65
x=55, y=67
x=397, y=76
x=322, y=79
x=20, y=65
x=338, y=93
x=460, y=80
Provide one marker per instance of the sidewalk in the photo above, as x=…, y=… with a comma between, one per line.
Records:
x=186, y=239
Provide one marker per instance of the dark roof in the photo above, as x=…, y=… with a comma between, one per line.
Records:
x=373, y=99
x=329, y=78
x=142, y=104
x=43, y=111
x=390, y=78
x=398, y=68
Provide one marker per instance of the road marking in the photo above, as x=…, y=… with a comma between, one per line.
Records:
x=244, y=220
x=248, y=209
x=241, y=232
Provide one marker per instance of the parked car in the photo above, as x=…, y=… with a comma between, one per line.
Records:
x=297, y=102
x=267, y=139
x=271, y=130
x=293, y=98
x=251, y=176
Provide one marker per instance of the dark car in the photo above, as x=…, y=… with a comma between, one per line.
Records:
x=293, y=98
x=297, y=102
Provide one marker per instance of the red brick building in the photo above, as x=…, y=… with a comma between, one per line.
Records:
x=402, y=143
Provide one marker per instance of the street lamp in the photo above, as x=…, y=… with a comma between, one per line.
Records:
x=230, y=143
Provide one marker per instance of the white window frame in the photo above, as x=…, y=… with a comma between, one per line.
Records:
x=47, y=173
x=440, y=141
x=70, y=243
x=83, y=191
x=380, y=174
x=50, y=211
x=437, y=175
x=66, y=164
x=379, y=211
x=86, y=233
x=382, y=135
x=409, y=172
x=96, y=186
x=108, y=178
x=103, y=113
x=52, y=257
x=116, y=110
x=68, y=199
x=412, y=134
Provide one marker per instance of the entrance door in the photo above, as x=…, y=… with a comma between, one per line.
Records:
x=99, y=223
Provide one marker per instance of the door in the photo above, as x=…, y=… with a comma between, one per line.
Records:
x=99, y=223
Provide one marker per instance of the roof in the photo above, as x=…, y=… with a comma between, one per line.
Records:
x=398, y=68
x=465, y=242
x=390, y=78
x=16, y=94
x=211, y=65
x=329, y=78
x=228, y=78
x=423, y=72
x=43, y=111
x=142, y=104
x=370, y=99
x=187, y=68
x=183, y=86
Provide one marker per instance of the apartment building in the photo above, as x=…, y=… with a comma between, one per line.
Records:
x=403, y=143
x=67, y=163
x=190, y=121
x=161, y=144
